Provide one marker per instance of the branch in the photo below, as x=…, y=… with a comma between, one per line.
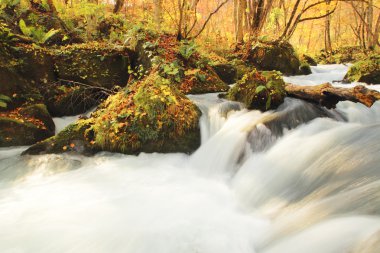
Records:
x=209, y=17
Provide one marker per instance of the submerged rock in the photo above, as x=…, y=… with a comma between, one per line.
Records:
x=259, y=90
x=278, y=56
x=25, y=126
x=366, y=71
x=148, y=116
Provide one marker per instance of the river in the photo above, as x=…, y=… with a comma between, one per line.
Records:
x=295, y=180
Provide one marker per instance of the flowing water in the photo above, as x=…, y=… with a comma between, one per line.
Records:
x=295, y=180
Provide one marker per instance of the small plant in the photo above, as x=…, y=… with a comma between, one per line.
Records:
x=4, y=100
x=172, y=70
x=38, y=34
x=138, y=73
x=187, y=49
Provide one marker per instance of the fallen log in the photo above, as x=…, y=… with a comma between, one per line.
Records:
x=328, y=95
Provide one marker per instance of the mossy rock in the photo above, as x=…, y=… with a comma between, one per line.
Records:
x=308, y=59
x=366, y=71
x=94, y=64
x=341, y=55
x=259, y=90
x=226, y=72
x=305, y=69
x=25, y=126
x=148, y=116
x=199, y=81
x=279, y=56
x=76, y=138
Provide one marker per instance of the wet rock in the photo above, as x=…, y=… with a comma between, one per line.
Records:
x=259, y=90
x=25, y=126
x=366, y=71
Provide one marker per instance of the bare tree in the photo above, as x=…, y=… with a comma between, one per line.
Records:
x=187, y=18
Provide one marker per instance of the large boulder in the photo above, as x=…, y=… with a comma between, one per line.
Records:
x=25, y=126
x=259, y=90
x=148, y=116
x=226, y=72
x=94, y=64
x=366, y=71
x=279, y=56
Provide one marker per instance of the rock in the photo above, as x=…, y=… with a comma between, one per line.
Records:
x=74, y=138
x=308, y=59
x=278, y=56
x=226, y=72
x=199, y=81
x=259, y=90
x=147, y=116
x=25, y=126
x=67, y=100
x=40, y=112
x=366, y=71
x=94, y=64
x=305, y=69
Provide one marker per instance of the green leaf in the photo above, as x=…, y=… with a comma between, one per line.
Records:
x=5, y=98
x=269, y=101
x=260, y=89
x=24, y=29
x=48, y=35
x=3, y=104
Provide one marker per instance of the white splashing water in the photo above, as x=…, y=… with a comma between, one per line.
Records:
x=261, y=182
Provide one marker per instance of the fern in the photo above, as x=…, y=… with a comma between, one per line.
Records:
x=48, y=35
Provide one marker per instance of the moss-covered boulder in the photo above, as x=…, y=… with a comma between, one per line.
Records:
x=226, y=72
x=76, y=138
x=95, y=64
x=279, y=56
x=308, y=59
x=305, y=69
x=148, y=116
x=259, y=90
x=201, y=80
x=366, y=71
x=25, y=126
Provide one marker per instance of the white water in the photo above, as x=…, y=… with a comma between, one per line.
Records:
x=262, y=183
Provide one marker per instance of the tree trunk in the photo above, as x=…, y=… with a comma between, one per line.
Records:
x=118, y=6
x=328, y=46
x=242, y=5
x=328, y=95
x=158, y=13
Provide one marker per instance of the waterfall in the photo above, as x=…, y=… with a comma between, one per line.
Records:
x=297, y=179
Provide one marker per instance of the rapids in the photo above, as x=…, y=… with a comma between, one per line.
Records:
x=295, y=180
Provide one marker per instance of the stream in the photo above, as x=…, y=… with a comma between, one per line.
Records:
x=295, y=180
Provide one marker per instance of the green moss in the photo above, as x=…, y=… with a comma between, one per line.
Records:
x=148, y=116
x=367, y=71
x=93, y=63
x=259, y=90
x=305, y=69
x=279, y=56
x=77, y=137
x=16, y=132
